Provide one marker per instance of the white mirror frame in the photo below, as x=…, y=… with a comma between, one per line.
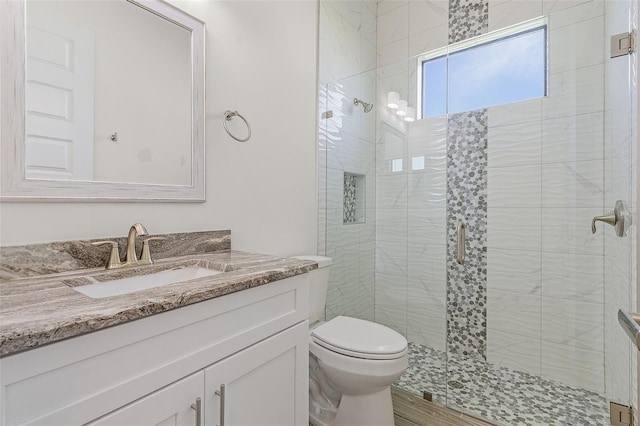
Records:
x=15, y=187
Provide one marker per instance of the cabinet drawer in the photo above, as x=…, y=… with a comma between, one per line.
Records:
x=80, y=379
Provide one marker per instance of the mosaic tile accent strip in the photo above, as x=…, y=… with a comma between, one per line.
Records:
x=349, y=212
x=467, y=18
x=467, y=203
x=498, y=394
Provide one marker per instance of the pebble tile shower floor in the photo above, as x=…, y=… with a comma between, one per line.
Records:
x=498, y=394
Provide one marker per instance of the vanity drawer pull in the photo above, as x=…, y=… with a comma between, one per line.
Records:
x=198, y=407
x=221, y=393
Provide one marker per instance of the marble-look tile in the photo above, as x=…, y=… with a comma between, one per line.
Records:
x=574, y=92
x=427, y=189
x=391, y=225
x=391, y=290
x=515, y=144
x=514, y=113
x=514, y=228
x=427, y=296
x=573, y=323
x=568, y=230
x=518, y=186
x=391, y=258
x=391, y=192
x=514, y=271
x=515, y=313
x=577, y=45
x=393, y=25
x=573, y=277
x=386, y=6
x=427, y=226
x=394, y=318
x=567, y=12
x=342, y=235
x=426, y=41
x=513, y=351
x=426, y=328
x=618, y=178
x=392, y=52
x=572, y=138
x=426, y=262
x=573, y=366
x=427, y=14
x=510, y=12
x=572, y=185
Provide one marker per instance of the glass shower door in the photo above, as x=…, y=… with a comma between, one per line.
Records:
x=532, y=332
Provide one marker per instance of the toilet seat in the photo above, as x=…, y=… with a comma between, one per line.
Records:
x=360, y=339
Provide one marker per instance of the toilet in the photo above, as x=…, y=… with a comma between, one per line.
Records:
x=352, y=363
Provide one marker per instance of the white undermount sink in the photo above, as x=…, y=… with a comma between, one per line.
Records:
x=144, y=282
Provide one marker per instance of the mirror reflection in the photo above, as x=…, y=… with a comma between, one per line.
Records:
x=108, y=94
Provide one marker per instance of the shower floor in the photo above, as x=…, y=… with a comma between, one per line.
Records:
x=499, y=394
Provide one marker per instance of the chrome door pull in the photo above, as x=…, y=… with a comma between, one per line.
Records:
x=460, y=249
x=198, y=407
x=221, y=393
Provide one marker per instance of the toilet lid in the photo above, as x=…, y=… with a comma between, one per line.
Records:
x=360, y=338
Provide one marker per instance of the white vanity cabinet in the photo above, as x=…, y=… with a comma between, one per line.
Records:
x=150, y=371
x=168, y=406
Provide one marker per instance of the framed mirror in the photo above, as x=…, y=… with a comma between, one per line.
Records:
x=101, y=101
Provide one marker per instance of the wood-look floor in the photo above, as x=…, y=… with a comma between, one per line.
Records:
x=411, y=410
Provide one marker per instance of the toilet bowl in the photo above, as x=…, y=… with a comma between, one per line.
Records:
x=352, y=364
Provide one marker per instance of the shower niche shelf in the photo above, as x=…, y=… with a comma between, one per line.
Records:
x=354, y=198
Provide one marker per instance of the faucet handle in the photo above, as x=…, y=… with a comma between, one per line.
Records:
x=114, y=257
x=145, y=257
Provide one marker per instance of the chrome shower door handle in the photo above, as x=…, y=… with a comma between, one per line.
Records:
x=460, y=246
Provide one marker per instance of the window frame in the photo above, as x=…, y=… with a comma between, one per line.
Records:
x=483, y=39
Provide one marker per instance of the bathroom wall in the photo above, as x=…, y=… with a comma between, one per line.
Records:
x=346, y=154
x=262, y=190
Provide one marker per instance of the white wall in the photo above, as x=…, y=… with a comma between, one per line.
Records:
x=261, y=60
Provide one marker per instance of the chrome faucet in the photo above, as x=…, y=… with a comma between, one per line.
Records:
x=131, y=259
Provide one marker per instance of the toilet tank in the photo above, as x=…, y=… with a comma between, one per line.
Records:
x=318, y=284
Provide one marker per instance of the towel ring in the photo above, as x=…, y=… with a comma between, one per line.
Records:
x=228, y=115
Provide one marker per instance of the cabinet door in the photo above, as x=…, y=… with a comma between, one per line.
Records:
x=169, y=406
x=263, y=385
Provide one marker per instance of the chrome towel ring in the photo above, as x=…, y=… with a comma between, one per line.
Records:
x=228, y=115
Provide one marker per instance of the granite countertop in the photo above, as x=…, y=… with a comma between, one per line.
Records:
x=43, y=309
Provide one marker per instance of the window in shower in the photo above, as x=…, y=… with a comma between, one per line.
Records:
x=500, y=67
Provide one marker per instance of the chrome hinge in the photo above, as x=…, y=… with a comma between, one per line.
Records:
x=622, y=44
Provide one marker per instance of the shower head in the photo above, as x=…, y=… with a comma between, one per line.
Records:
x=367, y=106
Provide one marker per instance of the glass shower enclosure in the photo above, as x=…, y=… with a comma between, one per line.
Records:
x=458, y=210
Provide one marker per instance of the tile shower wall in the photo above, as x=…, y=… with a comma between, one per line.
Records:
x=347, y=148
